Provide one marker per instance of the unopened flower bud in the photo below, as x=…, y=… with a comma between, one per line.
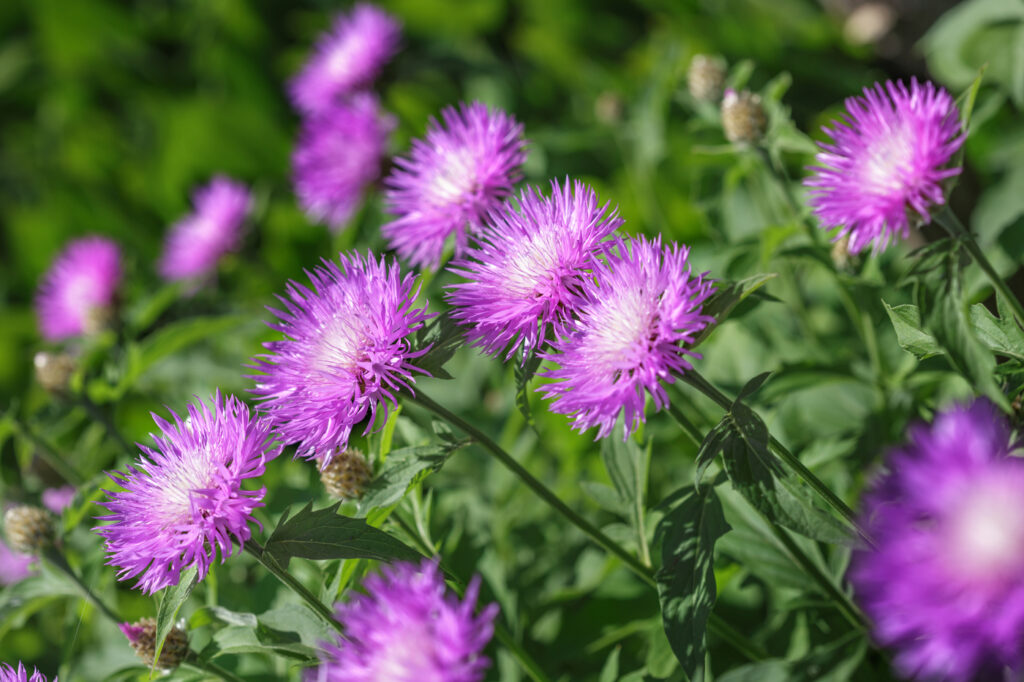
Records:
x=743, y=118
x=142, y=636
x=346, y=475
x=841, y=252
x=706, y=77
x=28, y=529
x=53, y=370
x=98, y=319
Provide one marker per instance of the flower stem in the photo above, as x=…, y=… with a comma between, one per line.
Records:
x=57, y=559
x=541, y=490
x=210, y=667
x=693, y=378
x=947, y=219
x=318, y=607
x=94, y=411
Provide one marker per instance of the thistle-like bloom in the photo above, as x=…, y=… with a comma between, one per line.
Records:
x=528, y=267
x=58, y=499
x=887, y=161
x=945, y=585
x=9, y=673
x=14, y=566
x=451, y=180
x=348, y=350
x=637, y=315
x=77, y=293
x=338, y=155
x=195, y=243
x=184, y=500
x=408, y=629
x=346, y=58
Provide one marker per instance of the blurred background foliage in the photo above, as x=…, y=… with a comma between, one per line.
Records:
x=111, y=112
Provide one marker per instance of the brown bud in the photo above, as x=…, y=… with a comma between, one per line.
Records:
x=346, y=475
x=28, y=529
x=142, y=636
x=743, y=118
x=98, y=318
x=706, y=77
x=54, y=370
x=841, y=252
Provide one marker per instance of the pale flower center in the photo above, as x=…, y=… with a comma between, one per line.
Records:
x=531, y=264
x=408, y=657
x=454, y=179
x=889, y=161
x=987, y=530
x=624, y=325
x=340, y=60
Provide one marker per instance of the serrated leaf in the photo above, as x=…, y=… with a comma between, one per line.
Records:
x=324, y=534
x=443, y=337
x=170, y=603
x=1001, y=334
x=906, y=321
x=404, y=468
x=686, y=578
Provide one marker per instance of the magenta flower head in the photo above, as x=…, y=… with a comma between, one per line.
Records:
x=14, y=566
x=9, y=673
x=184, y=500
x=58, y=499
x=451, y=180
x=407, y=628
x=348, y=350
x=346, y=58
x=884, y=169
x=945, y=585
x=637, y=314
x=338, y=155
x=528, y=267
x=77, y=292
x=195, y=243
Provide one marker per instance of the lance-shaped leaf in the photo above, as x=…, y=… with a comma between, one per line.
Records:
x=403, y=469
x=170, y=603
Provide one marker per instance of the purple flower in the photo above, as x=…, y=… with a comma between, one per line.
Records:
x=9, y=673
x=887, y=161
x=408, y=629
x=528, y=267
x=945, y=586
x=79, y=288
x=347, y=352
x=58, y=499
x=346, y=58
x=338, y=155
x=195, y=243
x=634, y=320
x=451, y=180
x=184, y=500
x=14, y=566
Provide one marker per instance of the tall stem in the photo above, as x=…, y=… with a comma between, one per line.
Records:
x=947, y=219
x=541, y=490
x=256, y=550
x=693, y=378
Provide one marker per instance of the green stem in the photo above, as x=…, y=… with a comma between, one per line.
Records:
x=49, y=453
x=256, y=550
x=541, y=490
x=94, y=411
x=57, y=559
x=693, y=378
x=947, y=219
x=192, y=660
x=721, y=629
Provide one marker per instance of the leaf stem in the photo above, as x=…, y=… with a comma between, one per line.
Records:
x=256, y=550
x=947, y=219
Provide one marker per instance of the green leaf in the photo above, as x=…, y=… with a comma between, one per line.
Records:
x=709, y=449
x=170, y=603
x=906, y=320
x=763, y=671
x=443, y=337
x=726, y=297
x=686, y=579
x=524, y=372
x=610, y=670
x=403, y=469
x=1001, y=334
x=626, y=463
x=324, y=534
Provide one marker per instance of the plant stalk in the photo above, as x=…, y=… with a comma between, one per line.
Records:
x=318, y=607
x=57, y=559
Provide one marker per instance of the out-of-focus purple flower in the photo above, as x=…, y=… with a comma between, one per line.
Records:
x=451, y=179
x=629, y=337
x=195, y=243
x=407, y=628
x=945, y=584
x=346, y=58
x=183, y=501
x=528, y=267
x=338, y=155
x=78, y=290
x=14, y=566
x=9, y=673
x=58, y=499
x=347, y=352
x=884, y=169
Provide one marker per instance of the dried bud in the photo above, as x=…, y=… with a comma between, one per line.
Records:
x=28, y=529
x=841, y=252
x=706, y=77
x=346, y=475
x=743, y=117
x=99, y=318
x=54, y=370
x=142, y=637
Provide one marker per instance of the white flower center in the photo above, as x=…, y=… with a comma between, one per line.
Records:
x=987, y=530
x=530, y=264
x=620, y=326
x=453, y=179
x=889, y=160
x=340, y=60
